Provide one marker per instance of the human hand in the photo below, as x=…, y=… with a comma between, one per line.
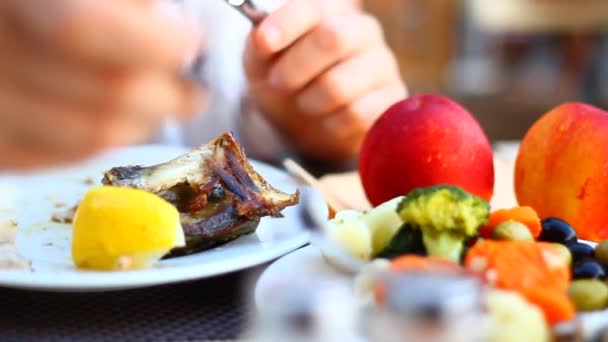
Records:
x=79, y=76
x=321, y=73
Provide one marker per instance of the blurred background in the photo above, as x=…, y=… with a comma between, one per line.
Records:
x=507, y=61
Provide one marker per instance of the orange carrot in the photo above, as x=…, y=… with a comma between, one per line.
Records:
x=535, y=269
x=525, y=215
x=556, y=308
x=419, y=263
x=331, y=212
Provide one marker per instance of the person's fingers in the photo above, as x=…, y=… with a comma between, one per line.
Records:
x=338, y=135
x=24, y=67
x=344, y=130
x=255, y=67
x=60, y=125
x=113, y=32
x=38, y=75
x=75, y=133
x=333, y=40
x=134, y=91
x=291, y=21
x=361, y=114
x=155, y=94
x=16, y=156
x=144, y=94
x=345, y=82
x=119, y=130
x=41, y=120
x=49, y=125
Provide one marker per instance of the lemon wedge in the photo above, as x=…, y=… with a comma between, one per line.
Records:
x=122, y=229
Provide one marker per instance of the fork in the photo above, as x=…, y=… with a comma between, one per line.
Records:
x=248, y=9
x=315, y=225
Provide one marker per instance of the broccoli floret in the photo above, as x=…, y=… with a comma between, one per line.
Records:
x=447, y=217
x=408, y=240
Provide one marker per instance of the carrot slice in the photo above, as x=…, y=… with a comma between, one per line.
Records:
x=535, y=269
x=525, y=215
x=419, y=263
x=520, y=264
x=557, y=307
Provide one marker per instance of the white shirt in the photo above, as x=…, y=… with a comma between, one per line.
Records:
x=225, y=32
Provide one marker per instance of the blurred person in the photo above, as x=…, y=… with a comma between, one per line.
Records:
x=81, y=76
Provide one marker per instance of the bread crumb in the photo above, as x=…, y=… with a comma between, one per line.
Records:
x=89, y=181
x=8, y=230
x=10, y=258
x=58, y=218
x=125, y=262
x=65, y=216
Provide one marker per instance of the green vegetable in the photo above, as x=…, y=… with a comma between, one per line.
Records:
x=446, y=216
x=408, y=240
x=349, y=231
x=512, y=231
x=468, y=244
x=588, y=294
x=601, y=253
x=365, y=234
x=383, y=223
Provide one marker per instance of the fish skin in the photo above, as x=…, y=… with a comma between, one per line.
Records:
x=217, y=191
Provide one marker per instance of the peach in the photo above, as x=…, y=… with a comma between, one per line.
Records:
x=422, y=141
x=562, y=168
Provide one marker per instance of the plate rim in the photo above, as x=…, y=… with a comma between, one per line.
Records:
x=46, y=280
x=38, y=280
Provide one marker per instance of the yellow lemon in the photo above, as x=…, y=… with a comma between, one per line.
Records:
x=121, y=228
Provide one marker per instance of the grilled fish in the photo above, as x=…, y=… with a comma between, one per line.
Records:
x=217, y=191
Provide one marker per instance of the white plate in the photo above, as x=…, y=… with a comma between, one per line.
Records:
x=30, y=199
x=308, y=263
x=304, y=264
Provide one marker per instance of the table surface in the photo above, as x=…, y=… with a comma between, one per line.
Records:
x=205, y=310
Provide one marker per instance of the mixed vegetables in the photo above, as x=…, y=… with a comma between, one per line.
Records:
x=444, y=228
x=435, y=221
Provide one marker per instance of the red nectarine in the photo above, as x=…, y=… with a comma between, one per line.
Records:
x=423, y=141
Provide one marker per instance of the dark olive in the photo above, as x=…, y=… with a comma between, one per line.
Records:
x=580, y=251
x=556, y=230
x=588, y=269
